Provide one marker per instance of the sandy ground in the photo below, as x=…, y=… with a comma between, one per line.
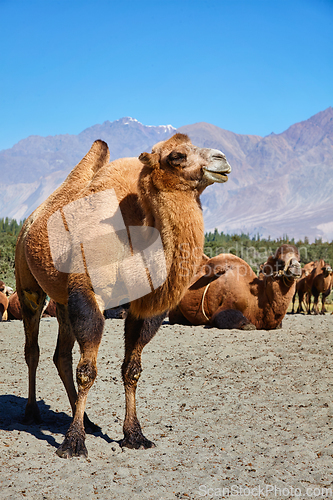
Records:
x=230, y=412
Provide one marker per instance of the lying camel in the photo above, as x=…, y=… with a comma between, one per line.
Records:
x=228, y=294
x=321, y=283
x=14, y=308
x=158, y=190
x=3, y=306
x=303, y=286
x=7, y=290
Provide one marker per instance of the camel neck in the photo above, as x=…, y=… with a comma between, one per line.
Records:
x=178, y=218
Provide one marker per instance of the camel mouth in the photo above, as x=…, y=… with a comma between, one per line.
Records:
x=294, y=272
x=216, y=176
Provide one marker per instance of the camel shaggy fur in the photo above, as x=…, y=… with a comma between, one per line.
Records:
x=228, y=294
x=160, y=190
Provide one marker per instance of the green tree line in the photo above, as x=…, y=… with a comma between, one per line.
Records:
x=9, y=230
x=256, y=250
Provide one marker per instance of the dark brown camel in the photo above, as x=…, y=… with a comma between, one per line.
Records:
x=160, y=190
x=227, y=293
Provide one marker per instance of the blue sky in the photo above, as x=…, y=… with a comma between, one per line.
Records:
x=252, y=67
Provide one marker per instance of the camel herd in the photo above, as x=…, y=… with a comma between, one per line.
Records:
x=316, y=279
x=148, y=210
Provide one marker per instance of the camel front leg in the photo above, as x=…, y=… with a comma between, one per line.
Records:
x=293, y=307
x=138, y=333
x=300, y=302
x=87, y=324
x=228, y=319
x=64, y=362
x=86, y=372
x=308, y=298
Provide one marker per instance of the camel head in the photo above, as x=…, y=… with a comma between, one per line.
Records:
x=284, y=263
x=7, y=290
x=327, y=270
x=178, y=164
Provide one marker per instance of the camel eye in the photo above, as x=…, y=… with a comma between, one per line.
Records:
x=176, y=158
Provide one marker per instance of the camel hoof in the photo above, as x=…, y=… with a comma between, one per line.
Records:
x=67, y=452
x=138, y=443
x=73, y=445
x=89, y=426
x=32, y=415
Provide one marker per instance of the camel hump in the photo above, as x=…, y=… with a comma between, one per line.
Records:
x=77, y=180
x=97, y=156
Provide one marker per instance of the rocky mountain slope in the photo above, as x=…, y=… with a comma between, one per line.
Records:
x=280, y=184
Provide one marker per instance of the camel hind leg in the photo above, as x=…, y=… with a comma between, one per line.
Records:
x=32, y=299
x=323, y=301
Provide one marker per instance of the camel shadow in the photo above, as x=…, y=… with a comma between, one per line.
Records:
x=12, y=418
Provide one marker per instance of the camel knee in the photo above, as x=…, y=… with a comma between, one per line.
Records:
x=86, y=374
x=131, y=372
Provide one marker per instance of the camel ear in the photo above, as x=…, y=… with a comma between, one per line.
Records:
x=151, y=160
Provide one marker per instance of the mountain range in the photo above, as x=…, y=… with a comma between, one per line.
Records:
x=281, y=184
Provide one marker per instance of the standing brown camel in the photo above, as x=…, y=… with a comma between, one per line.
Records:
x=321, y=283
x=160, y=190
x=228, y=294
x=303, y=286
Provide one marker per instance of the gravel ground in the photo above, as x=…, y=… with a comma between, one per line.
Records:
x=233, y=414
